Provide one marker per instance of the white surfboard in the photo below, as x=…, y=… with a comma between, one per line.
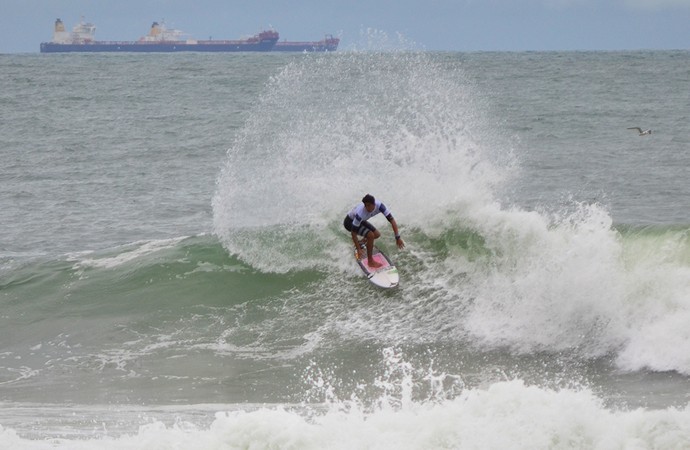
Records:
x=385, y=276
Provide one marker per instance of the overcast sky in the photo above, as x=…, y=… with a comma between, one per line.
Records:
x=454, y=25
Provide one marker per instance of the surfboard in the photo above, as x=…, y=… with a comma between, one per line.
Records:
x=385, y=276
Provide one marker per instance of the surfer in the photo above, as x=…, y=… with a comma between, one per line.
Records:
x=356, y=222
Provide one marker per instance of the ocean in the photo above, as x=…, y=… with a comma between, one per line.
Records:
x=174, y=272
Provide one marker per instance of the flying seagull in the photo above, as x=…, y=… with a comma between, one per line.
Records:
x=642, y=133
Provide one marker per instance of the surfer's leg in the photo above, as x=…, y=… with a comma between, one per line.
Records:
x=369, y=233
x=371, y=236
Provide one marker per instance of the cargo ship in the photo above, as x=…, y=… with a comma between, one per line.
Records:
x=159, y=39
x=328, y=44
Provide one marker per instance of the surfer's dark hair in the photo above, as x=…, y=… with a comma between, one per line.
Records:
x=368, y=199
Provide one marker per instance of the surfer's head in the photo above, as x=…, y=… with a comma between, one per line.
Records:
x=369, y=202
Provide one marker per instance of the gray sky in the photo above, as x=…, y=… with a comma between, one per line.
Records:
x=455, y=25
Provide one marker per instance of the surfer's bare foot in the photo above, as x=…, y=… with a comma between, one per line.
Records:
x=373, y=264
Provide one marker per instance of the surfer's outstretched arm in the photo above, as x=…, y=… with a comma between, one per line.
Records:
x=355, y=240
x=398, y=239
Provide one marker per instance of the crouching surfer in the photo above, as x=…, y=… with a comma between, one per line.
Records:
x=357, y=223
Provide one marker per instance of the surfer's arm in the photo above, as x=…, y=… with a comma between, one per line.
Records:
x=398, y=239
x=355, y=239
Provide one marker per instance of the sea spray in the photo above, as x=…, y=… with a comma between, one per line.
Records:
x=398, y=384
x=571, y=282
x=405, y=126
x=548, y=285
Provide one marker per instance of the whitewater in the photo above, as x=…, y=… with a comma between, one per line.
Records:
x=174, y=272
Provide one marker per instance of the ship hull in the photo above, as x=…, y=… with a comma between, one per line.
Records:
x=330, y=44
x=304, y=47
x=158, y=47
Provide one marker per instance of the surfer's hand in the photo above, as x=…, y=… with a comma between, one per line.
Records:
x=360, y=253
x=400, y=242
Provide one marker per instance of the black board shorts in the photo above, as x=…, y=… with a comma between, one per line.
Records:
x=364, y=227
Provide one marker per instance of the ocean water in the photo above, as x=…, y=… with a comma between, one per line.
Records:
x=174, y=272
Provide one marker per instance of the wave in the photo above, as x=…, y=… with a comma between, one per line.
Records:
x=576, y=283
x=527, y=285
x=146, y=274
x=412, y=130
x=522, y=302
x=505, y=414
